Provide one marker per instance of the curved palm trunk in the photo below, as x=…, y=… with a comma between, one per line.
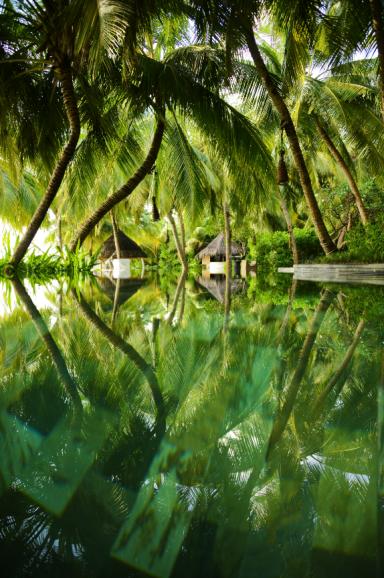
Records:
x=72, y=112
x=155, y=210
x=228, y=263
x=378, y=26
x=53, y=350
x=116, y=301
x=283, y=416
x=341, y=370
x=115, y=230
x=179, y=292
x=178, y=242
x=124, y=191
x=287, y=123
x=129, y=351
x=344, y=167
x=280, y=342
x=287, y=217
x=60, y=231
x=182, y=231
x=284, y=325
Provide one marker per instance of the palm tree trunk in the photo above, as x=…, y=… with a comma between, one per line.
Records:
x=287, y=217
x=155, y=210
x=72, y=112
x=116, y=341
x=115, y=230
x=60, y=231
x=228, y=262
x=54, y=352
x=344, y=167
x=284, y=325
x=378, y=26
x=178, y=243
x=115, y=301
x=287, y=123
x=182, y=229
x=124, y=191
x=285, y=412
x=340, y=372
x=179, y=291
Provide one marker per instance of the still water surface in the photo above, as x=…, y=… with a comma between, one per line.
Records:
x=151, y=430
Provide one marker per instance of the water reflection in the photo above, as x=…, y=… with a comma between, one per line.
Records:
x=187, y=436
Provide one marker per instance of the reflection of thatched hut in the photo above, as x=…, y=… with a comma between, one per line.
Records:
x=216, y=286
x=128, y=248
x=126, y=289
x=215, y=251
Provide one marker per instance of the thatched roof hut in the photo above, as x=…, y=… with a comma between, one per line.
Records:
x=216, y=249
x=128, y=248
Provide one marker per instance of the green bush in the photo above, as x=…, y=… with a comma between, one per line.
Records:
x=271, y=250
x=363, y=244
x=167, y=258
x=366, y=244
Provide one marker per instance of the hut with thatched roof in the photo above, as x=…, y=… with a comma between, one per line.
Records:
x=213, y=255
x=128, y=250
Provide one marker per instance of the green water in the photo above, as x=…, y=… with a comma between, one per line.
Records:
x=159, y=431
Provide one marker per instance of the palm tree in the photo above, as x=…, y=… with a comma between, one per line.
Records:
x=131, y=353
x=179, y=240
x=357, y=22
x=124, y=191
x=54, y=352
x=377, y=12
x=54, y=36
x=334, y=102
x=344, y=167
x=173, y=87
x=67, y=38
x=236, y=24
x=285, y=412
x=340, y=372
x=289, y=128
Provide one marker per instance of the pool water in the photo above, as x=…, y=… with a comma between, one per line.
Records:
x=152, y=428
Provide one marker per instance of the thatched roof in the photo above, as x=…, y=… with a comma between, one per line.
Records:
x=216, y=286
x=128, y=248
x=216, y=248
x=127, y=288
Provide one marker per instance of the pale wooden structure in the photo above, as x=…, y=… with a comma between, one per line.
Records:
x=121, y=268
x=213, y=255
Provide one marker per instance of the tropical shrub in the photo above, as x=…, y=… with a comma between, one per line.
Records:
x=271, y=250
x=338, y=206
x=366, y=244
x=167, y=258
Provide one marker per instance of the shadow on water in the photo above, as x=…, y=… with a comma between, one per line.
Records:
x=233, y=434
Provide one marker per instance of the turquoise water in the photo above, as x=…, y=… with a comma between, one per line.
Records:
x=155, y=429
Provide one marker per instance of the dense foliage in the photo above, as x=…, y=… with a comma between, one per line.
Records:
x=272, y=250
x=186, y=112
